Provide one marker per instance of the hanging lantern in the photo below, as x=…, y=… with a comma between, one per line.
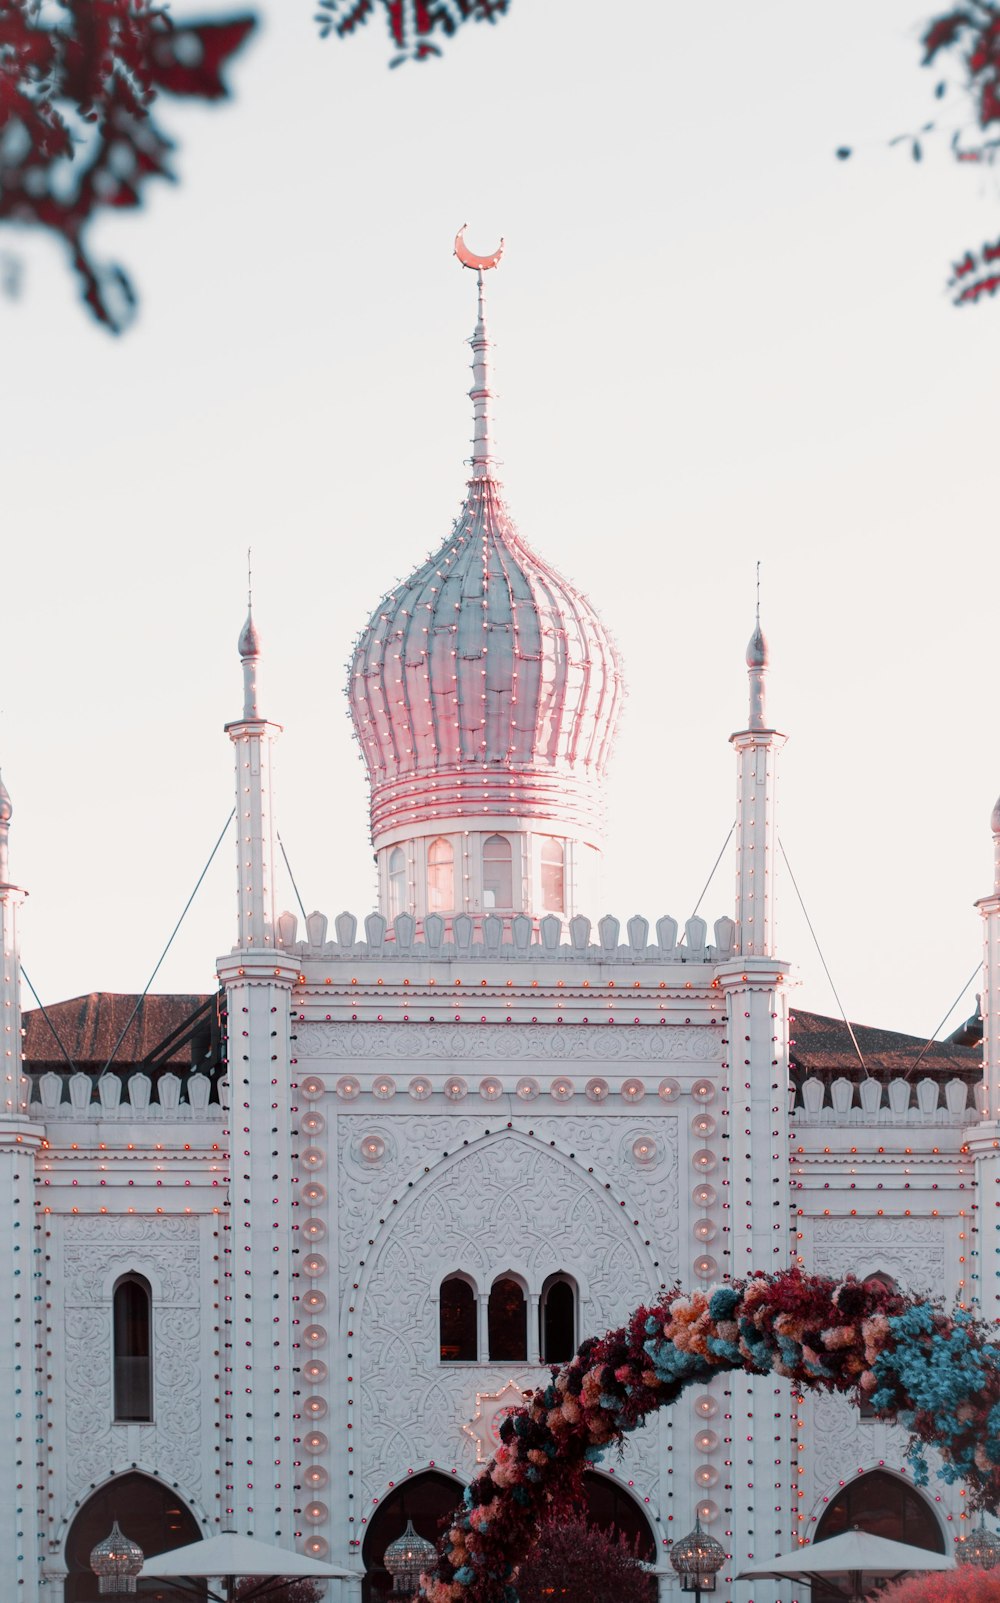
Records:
x=697, y=1558
x=981, y=1549
x=116, y=1562
x=407, y=1558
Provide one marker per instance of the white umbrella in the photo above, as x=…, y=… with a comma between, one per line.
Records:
x=853, y=1555
x=233, y=1557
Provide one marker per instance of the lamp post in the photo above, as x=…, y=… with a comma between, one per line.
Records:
x=406, y=1559
x=697, y=1558
x=116, y=1562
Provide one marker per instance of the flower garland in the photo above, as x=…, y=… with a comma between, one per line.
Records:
x=938, y=1373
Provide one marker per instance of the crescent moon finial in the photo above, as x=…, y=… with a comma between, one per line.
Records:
x=469, y=259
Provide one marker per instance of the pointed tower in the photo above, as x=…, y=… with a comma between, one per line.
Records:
x=260, y=1256
x=983, y=1139
x=485, y=692
x=19, y=1140
x=754, y=983
x=252, y=738
x=757, y=749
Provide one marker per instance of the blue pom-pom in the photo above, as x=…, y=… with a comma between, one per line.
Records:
x=724, y=1303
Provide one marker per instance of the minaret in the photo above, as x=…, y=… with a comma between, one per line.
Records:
x=757, y=749
x=252, y=737
x=260, y=1258
x=19, y=1140
x=983, y=1140
x=756, y=1097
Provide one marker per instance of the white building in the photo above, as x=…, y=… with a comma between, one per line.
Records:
x=281, y=1264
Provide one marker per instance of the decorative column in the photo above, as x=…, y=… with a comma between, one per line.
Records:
x=252, y=738
x=22, y=1390
x=259, y=1390
x=983, y=1139
x=756, y=1188
x=757, y=749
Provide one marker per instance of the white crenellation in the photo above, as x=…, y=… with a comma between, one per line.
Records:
x=508, y=939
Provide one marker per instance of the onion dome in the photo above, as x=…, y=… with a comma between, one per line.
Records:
x=407, y=1558
x=116, y=1562
x=6, y=806
x=485, y=683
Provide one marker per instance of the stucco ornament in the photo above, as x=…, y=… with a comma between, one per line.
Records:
x=938, y=1373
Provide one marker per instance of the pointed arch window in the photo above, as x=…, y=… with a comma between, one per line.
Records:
x=557, y=1320
x=459, y=1320
x=440, y=877
x=508, y=1322
x=553, y=875
x=397, y=882
x=498, y=876
x=132, y=1339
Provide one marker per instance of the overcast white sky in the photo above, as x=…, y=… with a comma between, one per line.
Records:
x=715, y=344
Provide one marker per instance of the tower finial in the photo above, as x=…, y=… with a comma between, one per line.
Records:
x=757, y=657
x=249, y=649
x=480, y=394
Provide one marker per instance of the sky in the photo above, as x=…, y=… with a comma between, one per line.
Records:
x=715, y=344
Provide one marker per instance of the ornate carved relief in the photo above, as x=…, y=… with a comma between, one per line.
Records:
x=911, y=1250
x=509, y=1202
x=94, y=1249
x=583, y=1043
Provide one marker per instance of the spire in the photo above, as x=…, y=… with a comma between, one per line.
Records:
x=252, y=737
x=249, y=649
x=756, y=747
x=994, y=826
x=480, y=393
x=757, y=658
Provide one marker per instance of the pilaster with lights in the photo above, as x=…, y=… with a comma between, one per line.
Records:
x=259, y=1394
x=983, y=1139
x=756, y=1064
x=21, y=1392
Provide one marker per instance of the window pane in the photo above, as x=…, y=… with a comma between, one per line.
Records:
x=133, y=1379
x=397, y=883
x=440, y=877
x=459, y=1336
x=553, y=876
x=558, y=1319
x=508, y=1322
x=497, y=876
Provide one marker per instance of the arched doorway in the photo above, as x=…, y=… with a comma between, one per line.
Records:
x=884, y=1505
x=425, y=1499
x=613, y=1508
x=148, y=1512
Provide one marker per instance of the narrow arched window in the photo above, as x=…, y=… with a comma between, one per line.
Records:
x=508, y=1322
x=459, y=1320
x=553, y=875
x=557, y=1320
x=440, y=877
x=498, y=880
x=397, y=882
x=131, y=1334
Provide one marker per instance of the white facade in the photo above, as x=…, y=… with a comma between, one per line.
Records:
x=462, y=1089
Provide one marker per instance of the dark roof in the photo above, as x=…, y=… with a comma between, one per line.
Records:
x=89, y=1026
x=823, y=1046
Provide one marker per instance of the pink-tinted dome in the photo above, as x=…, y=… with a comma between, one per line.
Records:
x=486, y=684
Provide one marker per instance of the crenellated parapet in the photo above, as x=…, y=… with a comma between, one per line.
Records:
x=507, y=939
x=876, y=1102
x=176, y=1098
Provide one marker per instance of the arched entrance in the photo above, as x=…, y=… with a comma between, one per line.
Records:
x=425, y=1499
x=148, y=1512
x=613, y=1508
x=884, y=1505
